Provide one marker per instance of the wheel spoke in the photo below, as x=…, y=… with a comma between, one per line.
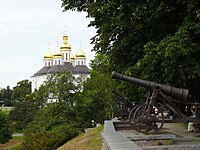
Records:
x=144, y=121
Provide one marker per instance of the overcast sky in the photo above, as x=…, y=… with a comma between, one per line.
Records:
x=26, y=28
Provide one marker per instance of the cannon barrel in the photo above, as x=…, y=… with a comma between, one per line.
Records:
x=179, y=93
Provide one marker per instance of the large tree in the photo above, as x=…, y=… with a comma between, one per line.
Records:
x=55, y=120
x=61, y=87
x=96, y=100
x=124, y=27
x=20, y=91
x=149, y=39
x=23, y=103
x=5, y=96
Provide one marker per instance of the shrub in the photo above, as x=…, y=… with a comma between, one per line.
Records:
x=5, y=133
x=39, y=138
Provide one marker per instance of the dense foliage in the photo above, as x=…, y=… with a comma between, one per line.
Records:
x=23, y=104
x=50, y=129
x=5, y=97
x=154, y=40
x=20, y=91
x=96, y=100
x=51, y=113
x=5, y=133
x=62, y=107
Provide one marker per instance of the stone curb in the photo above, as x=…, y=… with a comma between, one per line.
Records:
x=114, y=140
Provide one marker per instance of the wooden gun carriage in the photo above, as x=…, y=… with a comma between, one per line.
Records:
x=151, y=116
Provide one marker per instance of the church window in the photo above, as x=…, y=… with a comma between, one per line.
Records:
x=55, y=62
x=49, y=64
x=82, y=62
x=66, y=56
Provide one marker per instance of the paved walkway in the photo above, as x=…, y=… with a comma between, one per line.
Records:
x=182, y=141
x=180, y=130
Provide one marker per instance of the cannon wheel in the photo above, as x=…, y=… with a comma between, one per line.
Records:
x=121, y=115
x=144, y=121
x=131, y=114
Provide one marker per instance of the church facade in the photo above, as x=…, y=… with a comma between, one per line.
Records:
x=61, y=60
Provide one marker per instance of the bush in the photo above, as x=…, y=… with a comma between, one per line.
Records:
x=39, y=138
x=5, y=133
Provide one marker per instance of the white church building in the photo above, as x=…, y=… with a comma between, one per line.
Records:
x=61, y=60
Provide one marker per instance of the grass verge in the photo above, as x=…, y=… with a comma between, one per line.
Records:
x=90, y=140
x=13, y=144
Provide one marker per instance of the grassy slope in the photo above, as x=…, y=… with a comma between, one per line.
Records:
x=12, y=144
x=90, y=140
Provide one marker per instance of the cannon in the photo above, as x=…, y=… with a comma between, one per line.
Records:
x=150, y=116
x=125, y=106
x=179, y=93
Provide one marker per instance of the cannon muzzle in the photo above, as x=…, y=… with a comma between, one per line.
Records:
x=179, y=93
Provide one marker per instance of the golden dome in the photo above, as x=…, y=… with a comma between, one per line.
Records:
x=57, y=54
x=80, y=54
x=48, y=55
x=65, y=45
x=72, y=56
